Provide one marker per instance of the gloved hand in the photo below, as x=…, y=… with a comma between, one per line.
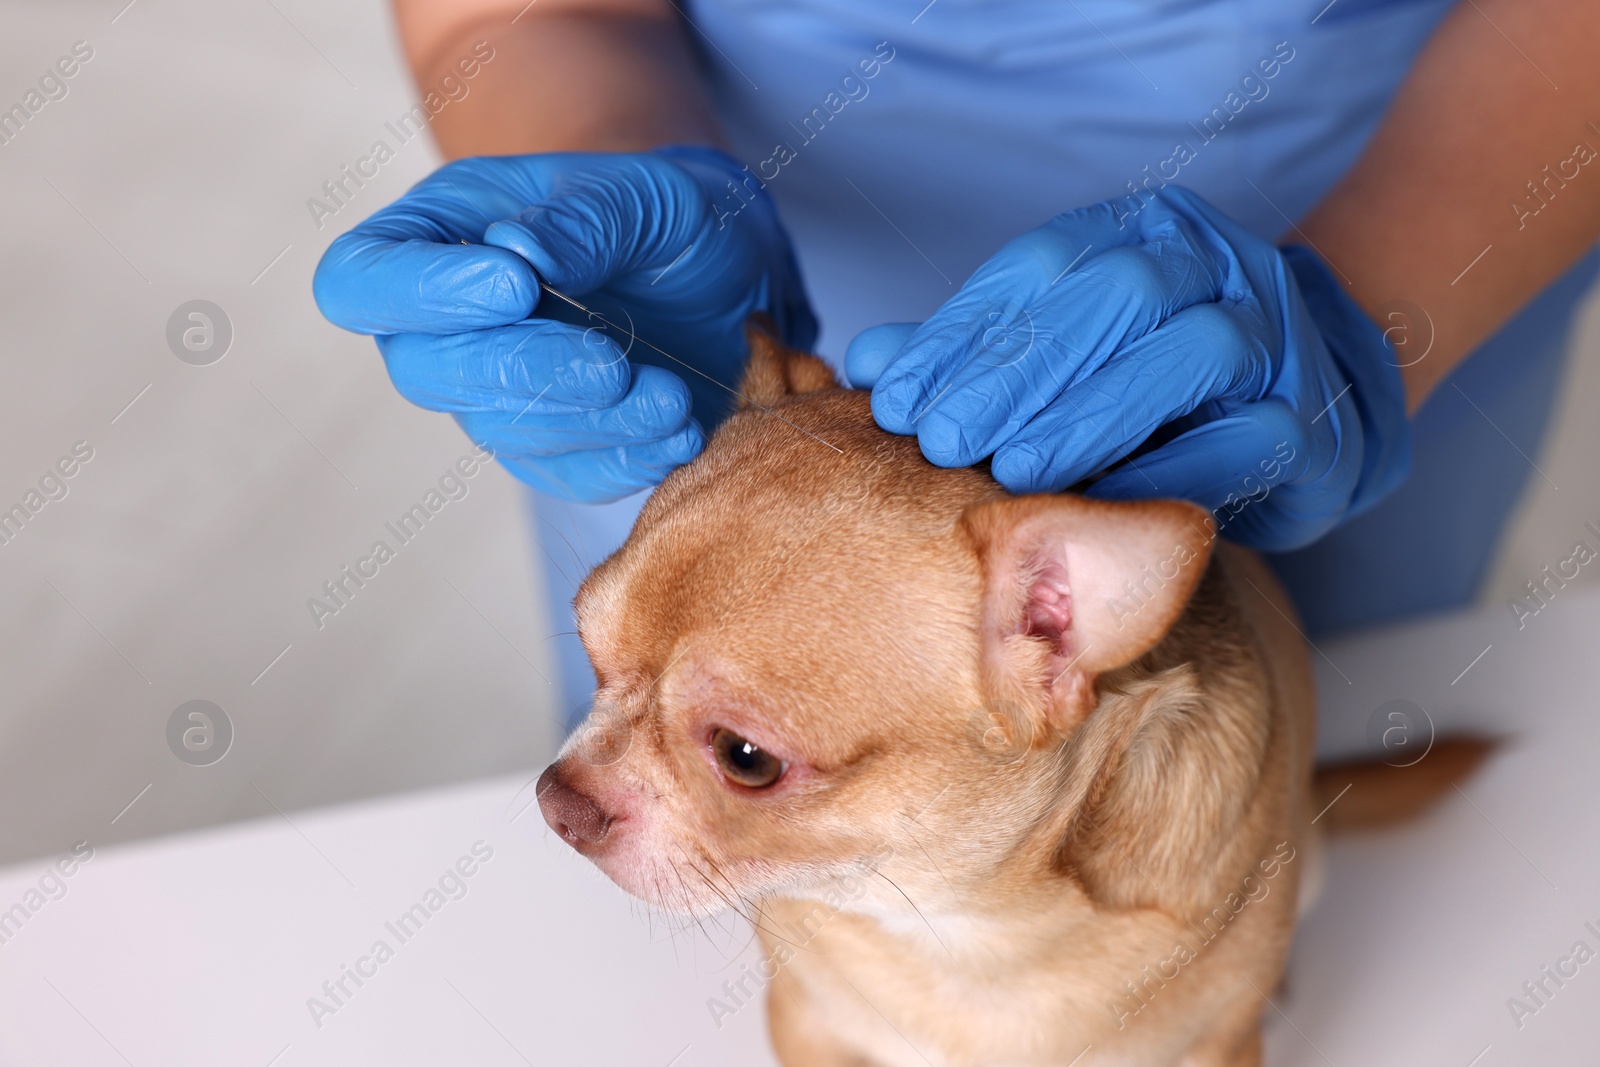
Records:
x=1261, y=390
x=660, y=243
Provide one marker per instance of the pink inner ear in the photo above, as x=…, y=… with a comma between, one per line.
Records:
x=1048, y=611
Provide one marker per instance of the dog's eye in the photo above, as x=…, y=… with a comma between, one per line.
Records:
x=743, y=762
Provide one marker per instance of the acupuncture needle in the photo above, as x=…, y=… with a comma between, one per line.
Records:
x=559, y=295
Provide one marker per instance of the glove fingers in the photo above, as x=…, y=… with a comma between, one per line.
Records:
x=552, y=365
x=1250, y=467
x=371, y=284
x=655, y=408
x=1200, y=354
x=1001, y=366
x=599, y=476
x=405, y=269
x=873, y=349
x=945, y=342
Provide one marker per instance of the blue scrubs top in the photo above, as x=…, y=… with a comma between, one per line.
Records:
x=906, y=141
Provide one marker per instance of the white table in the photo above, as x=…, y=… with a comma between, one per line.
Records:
x=204, y=949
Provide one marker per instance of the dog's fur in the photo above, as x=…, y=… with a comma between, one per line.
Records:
x=1028, y=810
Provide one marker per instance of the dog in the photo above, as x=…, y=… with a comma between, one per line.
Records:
x=1002, y=780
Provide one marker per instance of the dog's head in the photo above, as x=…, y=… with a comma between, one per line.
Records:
x=820, y=656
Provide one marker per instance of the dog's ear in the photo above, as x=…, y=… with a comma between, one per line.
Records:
x=1076, y=587
x=775, y=372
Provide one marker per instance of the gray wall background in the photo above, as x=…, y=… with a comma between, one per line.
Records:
x=219, y=498
x=178, y=565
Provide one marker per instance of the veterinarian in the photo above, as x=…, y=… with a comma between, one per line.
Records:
x=1327, y=254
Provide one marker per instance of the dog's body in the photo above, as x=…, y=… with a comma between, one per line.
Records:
x=1011, y=781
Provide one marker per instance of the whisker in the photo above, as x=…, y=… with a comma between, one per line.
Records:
x=753, y=917
x=918, y=910
x=932, y=862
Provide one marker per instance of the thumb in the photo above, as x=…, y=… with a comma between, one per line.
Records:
x=873, y=349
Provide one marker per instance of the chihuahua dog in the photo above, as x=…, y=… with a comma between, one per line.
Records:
x=999, y=780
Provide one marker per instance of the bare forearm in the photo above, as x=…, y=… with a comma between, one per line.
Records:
x=1478, y=119
x=577, y=75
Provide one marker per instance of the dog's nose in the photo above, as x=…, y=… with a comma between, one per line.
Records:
x=575, y=816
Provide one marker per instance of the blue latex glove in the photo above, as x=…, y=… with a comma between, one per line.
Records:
x=660, y=243
x=1261, y=390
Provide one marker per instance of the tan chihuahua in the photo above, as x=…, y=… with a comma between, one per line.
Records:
x=1010, y=781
